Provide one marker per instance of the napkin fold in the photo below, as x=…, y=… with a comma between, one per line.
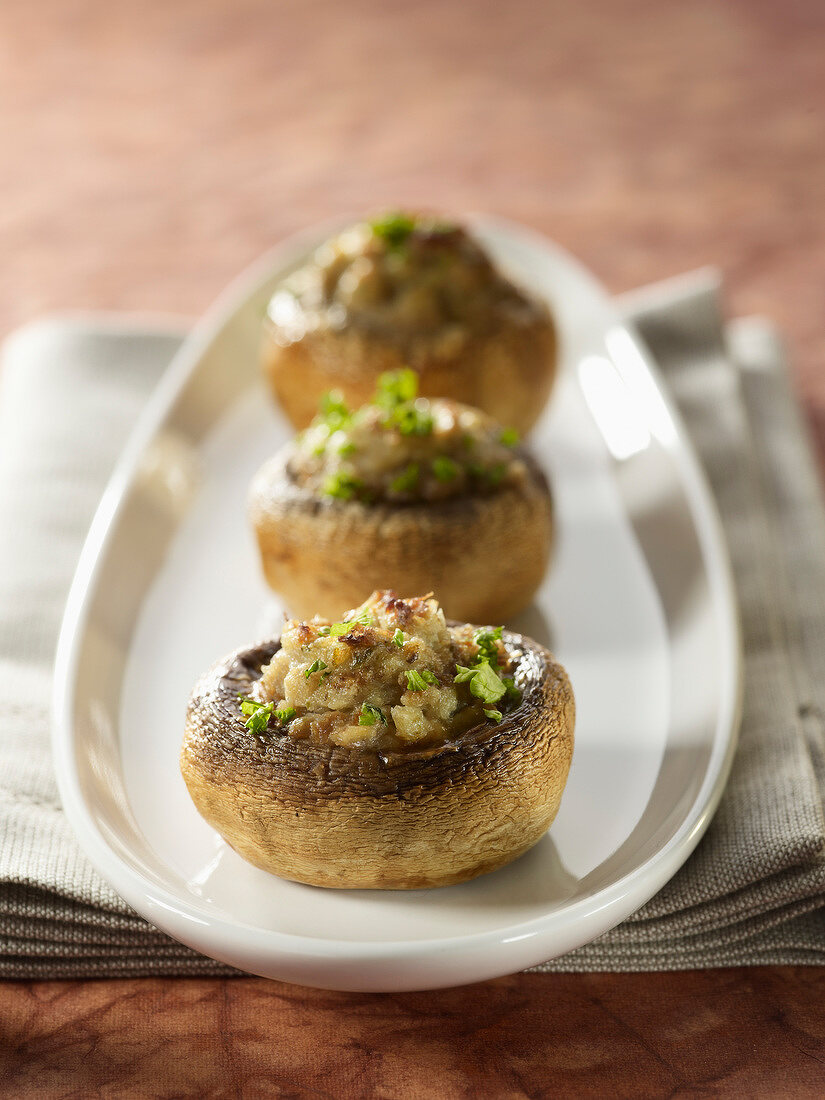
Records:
x=754, y=890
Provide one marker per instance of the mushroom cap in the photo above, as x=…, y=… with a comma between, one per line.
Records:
x=508, y=372
x=483, y=555
x=354, y=818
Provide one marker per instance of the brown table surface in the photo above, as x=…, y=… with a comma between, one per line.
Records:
x=151, y=149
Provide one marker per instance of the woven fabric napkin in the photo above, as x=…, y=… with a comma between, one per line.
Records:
x=754, y=890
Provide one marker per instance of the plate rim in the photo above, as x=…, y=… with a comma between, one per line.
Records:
x=600, y=911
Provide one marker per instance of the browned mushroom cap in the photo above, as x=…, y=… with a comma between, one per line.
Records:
x=508, y=373
x=409, y=290
x=484, y=555
x=337, y=817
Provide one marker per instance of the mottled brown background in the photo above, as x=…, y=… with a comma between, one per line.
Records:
x=149, y=150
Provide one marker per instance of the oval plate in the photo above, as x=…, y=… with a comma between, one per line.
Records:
x=638, y=605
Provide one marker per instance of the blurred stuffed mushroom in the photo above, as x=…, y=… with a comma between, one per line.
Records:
x=410, y=493
x=405, y=290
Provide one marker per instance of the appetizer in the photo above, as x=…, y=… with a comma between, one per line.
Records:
x=406, y=290
x=407, y=493
x=389, y=750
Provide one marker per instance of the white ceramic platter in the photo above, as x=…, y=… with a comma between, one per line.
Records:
x=638, y=606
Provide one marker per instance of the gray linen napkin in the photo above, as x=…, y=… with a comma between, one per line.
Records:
x=754, y=891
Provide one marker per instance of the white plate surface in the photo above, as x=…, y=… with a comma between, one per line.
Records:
x=638, y=606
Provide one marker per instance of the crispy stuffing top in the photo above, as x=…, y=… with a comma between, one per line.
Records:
x=390, y=677
x=422, y=283
x=404, y=448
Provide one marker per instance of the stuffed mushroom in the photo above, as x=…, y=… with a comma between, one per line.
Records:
x=389, y=750
x=405, y=493
x=403, y=290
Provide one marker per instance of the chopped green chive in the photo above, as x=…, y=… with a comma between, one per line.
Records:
x=398, y=637
x=316, y=666
x=509, y=437
x=444, y=468
x=407, y=480
x=285, y=714
x=371, y=715
x=495, y=715
x=430, y=677
x=347, y=448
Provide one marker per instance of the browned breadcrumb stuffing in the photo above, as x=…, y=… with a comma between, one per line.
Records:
x=429, y=293
x=384, y=678
x=367, y=457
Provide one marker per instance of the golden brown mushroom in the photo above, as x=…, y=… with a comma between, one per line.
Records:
x=435, y=787
x=408, y=291
x=405, y=493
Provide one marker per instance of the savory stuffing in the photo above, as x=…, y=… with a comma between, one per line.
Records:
x=391, y=676
x=422, y=284
x=403, y=448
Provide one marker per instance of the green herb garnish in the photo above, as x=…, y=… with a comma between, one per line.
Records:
x=396, y=392
x=396, y=387
x=347, y=448
x=444, y=468
x=398, y=637
x=430, y=677
x=338, y=630
x=492, y=475
x=342, y=485
x=394, y=228
x=513, y=693
x=486, y=642
x=411, y=420
x=257, y=715
x=484, y=681
x=495, y=474
x=415, y=681
x=407, y=480
x=371, y=715
x=333, y=411
x=316, y=666
x=509, y=437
